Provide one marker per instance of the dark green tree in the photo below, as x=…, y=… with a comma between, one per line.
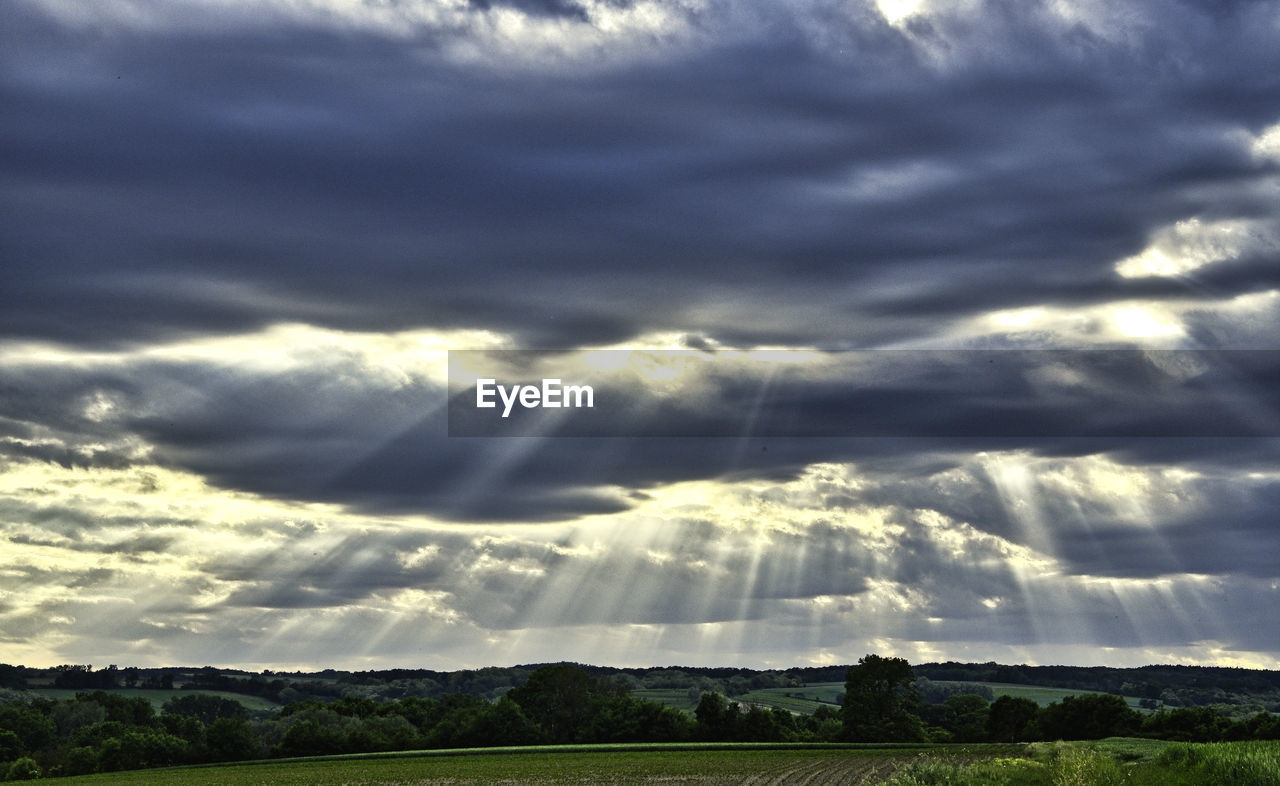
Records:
x=1011, y=719
x=134, y=750
x=232, y=739
x=206, y=707
x=133, y=710
x=82, y=760
x=880, y=702
x=10, y=746
x=34, y=729
x=485, y=725
x=314, y=731
x=562, y=699
x=1089, y=716
x=717, y=718
x=971, y=714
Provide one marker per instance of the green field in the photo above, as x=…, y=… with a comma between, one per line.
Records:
x=805, y=699
x=710, y=765
x=1132, y=762
x=1037, y=693
x=158, y=697
x=780, y=699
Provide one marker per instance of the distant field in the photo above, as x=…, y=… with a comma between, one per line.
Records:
x=805, y=699
x=1040, y=695
x=780, y=700
x=800, y=700
x=671, y=697
x=158, y=697
x=711, y=766
x=808, y=698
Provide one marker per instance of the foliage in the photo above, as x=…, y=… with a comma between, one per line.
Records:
x=561, y=698
x=1089, y=716
x=932, y=692
x=24, y=769
x=880, y=701
x=232, y=739
x=110, y=731
x=81, y=761
x=1011, y=719
x=961, y=718
x=205, y=707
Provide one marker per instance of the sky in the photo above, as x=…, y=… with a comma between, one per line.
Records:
x=243, y=245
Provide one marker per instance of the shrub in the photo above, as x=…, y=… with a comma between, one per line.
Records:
x=81, y=761
x=24, y=769
x=1081, y=767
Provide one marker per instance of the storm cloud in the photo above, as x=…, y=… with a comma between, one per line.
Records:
x=238, y=240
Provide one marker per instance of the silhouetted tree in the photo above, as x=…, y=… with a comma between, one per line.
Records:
x=1089, y=716
x=1010, y=719
x=880, y=702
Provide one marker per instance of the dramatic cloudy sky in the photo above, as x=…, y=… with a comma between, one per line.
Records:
x=239, y=239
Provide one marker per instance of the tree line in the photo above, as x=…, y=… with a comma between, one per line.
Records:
x=100, y=731
x=883, y=702
x=1232, y=690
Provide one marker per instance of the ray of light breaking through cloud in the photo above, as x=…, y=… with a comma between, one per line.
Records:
x=246, y=244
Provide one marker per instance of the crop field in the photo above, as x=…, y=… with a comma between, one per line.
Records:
x=1117, y=760
x=808, y=698
x=158, y=697
x=710, y=766
x=805, y=699
x=781, y=700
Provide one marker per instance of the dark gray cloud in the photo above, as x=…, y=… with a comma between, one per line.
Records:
x=741, y=174
x=329, y=425
x=161, y=183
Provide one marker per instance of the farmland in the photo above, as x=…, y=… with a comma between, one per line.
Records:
x=804, y=699
x=1117, y=760
x=711, y=765
x=808, y=698
x=1044, y=696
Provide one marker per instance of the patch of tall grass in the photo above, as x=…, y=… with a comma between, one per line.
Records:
x=1227, y=763
x=1062, y=764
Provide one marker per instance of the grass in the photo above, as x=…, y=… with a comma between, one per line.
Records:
x=1226, y=763
x=158, y=697
x=1131, y=749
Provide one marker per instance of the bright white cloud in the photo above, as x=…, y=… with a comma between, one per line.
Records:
x=1192, y=244
x=1267, y=144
